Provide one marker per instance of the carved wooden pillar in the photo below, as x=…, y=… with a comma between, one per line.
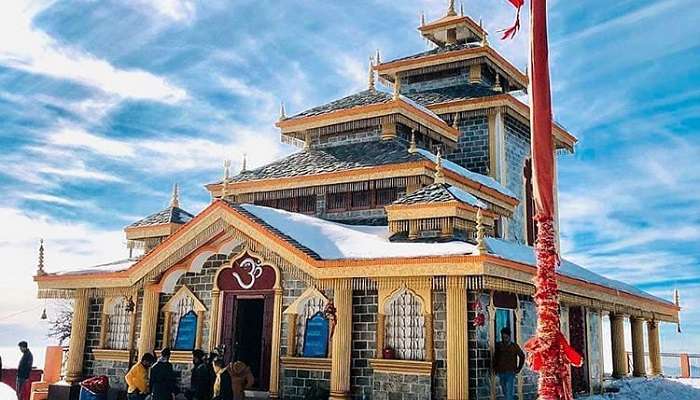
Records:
x=149, y=320
x=617, y=337
x=275, y=350
x=429, y=337
x=292, y=334
x=381, y=324
x=638, y=362
x=74, y=365
x=457, y=356
x=342, y=340
x=654, y=348
x=214, y=319
x=167, y=321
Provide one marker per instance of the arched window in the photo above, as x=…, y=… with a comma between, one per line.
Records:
x=405, y=326
x=117, y=323
x=183, y=318
x=305, y=323
x=311, y=306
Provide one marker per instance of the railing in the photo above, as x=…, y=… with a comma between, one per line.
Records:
x=675, y=365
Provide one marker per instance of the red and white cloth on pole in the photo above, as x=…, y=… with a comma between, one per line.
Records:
x=548, y=352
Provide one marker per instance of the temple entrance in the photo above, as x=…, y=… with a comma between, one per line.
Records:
x=578, y=339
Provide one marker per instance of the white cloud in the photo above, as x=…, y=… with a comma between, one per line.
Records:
x=79, y=138
x=58, y=200
x=24, y=47
x=175, y=10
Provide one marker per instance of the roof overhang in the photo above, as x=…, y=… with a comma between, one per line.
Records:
x=150, y=231
x=563, y=139
x=451, y=265
x=390, y=69
x=399, y=106
x=452, y=208
x=466, y=28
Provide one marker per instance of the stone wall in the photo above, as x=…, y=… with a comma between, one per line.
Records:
x=473, y=144
x=364, y=336
x=435, y=80
x=92, y=337
x=400, y=387
x=439, y=344
x=346, y=138
x=299, y=384
x=517, y=146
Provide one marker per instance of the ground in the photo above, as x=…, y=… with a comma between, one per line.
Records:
x=653, y=389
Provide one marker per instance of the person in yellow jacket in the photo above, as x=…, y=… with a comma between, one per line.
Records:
x=137, y=378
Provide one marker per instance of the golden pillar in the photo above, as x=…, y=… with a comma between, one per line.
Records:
x=149, y=319
x=638, y=362
x=381, y=324
x=428, y=337
x=104, y=323
x=342, y=340
x=617, y=337
x=214, y=319
x=167, y=320
x=292, y=334
x=78, y=330
x=275, y=350
x=457, y=357
x=654, y=347
x=200, y=330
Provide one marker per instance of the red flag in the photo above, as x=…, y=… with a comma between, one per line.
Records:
x=510, y=32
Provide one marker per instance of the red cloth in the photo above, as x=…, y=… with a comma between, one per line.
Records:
x=98, y=384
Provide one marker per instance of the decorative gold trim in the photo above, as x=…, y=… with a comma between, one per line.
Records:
x=405, y=367
x=111, y=355
x=307, y=363
x=184, y=291
x=179, y=356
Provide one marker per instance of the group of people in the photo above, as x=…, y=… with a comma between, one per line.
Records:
x=212, y=378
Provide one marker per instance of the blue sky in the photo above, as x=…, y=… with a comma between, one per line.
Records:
x=105, y=104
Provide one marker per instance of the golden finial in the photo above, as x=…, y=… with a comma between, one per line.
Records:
x=422, y=18
x=412, y=148
x=455, y=121
x=245, y=162
x=377, y=58
x=40, y=268
x=283, y=114
x=175, y=199
x=461, y=8
x=480, y=233
x=451, y=8
x=677, y=302
x=439, y=174
x=227, y=172
x=397, y=87
x=485, y=37
x=370, y=75
x=497, y=87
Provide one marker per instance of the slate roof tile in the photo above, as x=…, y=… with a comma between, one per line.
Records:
x=175, y=215
x=364, y=98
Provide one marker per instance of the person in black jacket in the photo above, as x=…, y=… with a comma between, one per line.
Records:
x=223, y=389
x=163, y=383
x=24, y=369
x=201, y=383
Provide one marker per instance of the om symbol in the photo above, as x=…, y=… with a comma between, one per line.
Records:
x=252, y=268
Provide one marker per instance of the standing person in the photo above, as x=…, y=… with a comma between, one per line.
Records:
x=223, y=389
x=163, y=383
x=201, y=383
x=241, y=379
x=137, y=378
x=24, y=368
x=507, y=362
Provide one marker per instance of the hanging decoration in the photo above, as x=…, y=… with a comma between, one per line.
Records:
x=479, y=317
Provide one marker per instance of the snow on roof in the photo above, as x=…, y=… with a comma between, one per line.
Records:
x=458, y=169
x=465, y=197
x=420, y=107
x=114, y=266
x=526, y=255
x=332, y=240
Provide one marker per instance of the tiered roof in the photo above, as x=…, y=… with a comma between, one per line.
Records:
x=441, y=193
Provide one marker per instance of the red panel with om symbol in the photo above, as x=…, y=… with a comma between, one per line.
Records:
x=247, y=273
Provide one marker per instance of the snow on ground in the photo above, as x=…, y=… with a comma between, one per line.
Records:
x=651, y=389
x=7, y=393
x=334, y=241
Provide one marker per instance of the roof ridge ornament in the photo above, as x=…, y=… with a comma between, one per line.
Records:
x=245, y=163
x=422, y=18
x=485, y=38
x=377, y=58
x=480, y=233
x=175, y=198
x=40, y=267
x=497, y=86
x=461, y=8
x=227, y=173
x=451, y=9
x=283, y=114
x=370, y=74
x=439, y=174
x=412, y=148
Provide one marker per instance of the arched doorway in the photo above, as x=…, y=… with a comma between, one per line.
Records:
x=248, y=292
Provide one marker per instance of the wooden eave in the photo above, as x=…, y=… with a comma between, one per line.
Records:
x=389, y=70
x=292, y=125
x=450, y=265
x=562, y=137
x=150, y=231
x=450, y=21
x=452, y=208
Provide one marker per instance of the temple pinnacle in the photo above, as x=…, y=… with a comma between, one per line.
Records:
x=451, y=8
x=480, y=233
x=461, y=8
x=245, y=162
x=175, y=199
x=370, y=75
x=283, y=114
x=40, y=267
x=377, y=58
x=439, y=174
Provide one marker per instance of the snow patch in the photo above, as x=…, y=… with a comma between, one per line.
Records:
x=114, y=266
x=465, y=197
x=333, y=241
x=651, y=388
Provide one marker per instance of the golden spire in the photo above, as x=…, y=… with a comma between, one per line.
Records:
x=480, y=233
x=370, y=75
x=377, y=58
x=461, y=8
x=422, y=18
x=451, y=8
x=227, y=172
x=175, y=199
x=439, y=174
x=40, y=267
x=245, y=162
x=497, y=87
x=412, y=148
x=283, y=114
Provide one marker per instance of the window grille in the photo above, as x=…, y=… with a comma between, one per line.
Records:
x=386, y=196
x=360, y=200
x=405, y=327
x=336, y=201
x=307, y=204
x=311, y=307
x=184, y=305
x=118, y=326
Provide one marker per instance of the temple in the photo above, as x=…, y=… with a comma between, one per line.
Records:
x=379, y=261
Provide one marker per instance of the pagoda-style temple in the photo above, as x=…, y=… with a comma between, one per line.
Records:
x=379, y=261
